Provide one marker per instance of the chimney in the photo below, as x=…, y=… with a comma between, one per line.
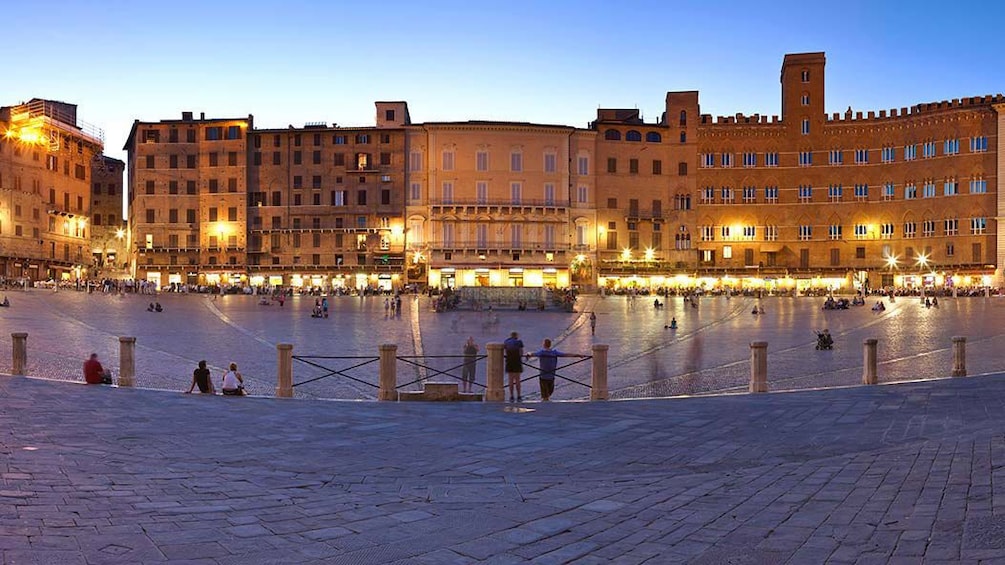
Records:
x=186, y=116
x=202, y=115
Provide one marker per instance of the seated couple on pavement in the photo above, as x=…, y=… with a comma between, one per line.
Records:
x=233, y=382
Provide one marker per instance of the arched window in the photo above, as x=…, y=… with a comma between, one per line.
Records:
x=654, y=137
x=683, y=118
x=633, y=135
x=612, y=135
x=683, y=137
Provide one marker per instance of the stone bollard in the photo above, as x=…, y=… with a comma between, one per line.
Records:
x=19, y=356
x=759, y=366
x=284, y=370
x=959, y=356
x=870, y=374
x=388, y=379
x=599, y=384
x=127, y=361
x=494, y=374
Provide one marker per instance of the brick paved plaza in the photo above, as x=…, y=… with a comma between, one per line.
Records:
x=708, y=353
x=900, y=473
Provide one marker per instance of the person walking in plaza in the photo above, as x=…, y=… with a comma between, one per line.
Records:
x=549, y=363
x=200, y=377
x=513, y=354
x=94, y=373
x=233, y=382
x=470, y=360
x=593, y=323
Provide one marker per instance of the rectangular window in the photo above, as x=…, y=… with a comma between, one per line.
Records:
x=910, y=230
x=910, y=191
x=950, y=188
x=928, y=190
x=952, y=226
x=886, y=232
x=978, y=186
x=805, y=193
x=887, y=155
x=835, y=192
x=361, y=197
x=549, y=194
x=910, y=152
x=582, y=194
x=834, y=232
x=749, y=159
x=516, y=162
x=213, y=215
x=861, y=192
x=727, y=159
x=771, y=159
x=316, y=157
x=978, y=226
x=448, y=193
x=749, y=194
x=482, y=161
x=979, y=144
x=657, y=167
x=888, y=191
x=861, y=231
x=549, y=162
x=805, y=158
x=415, y=192
x=515, y=191
x=707, y=160
x=771, y=194
x=612, y=164
x=448, y=161
x=861, y=156
x=482, y=192
x=340, y=197
x=951, y=147
x=231, y=214
x=633, y=166
x=928, y=149
x=835, y=157
x=583, y=164
x=805, y=128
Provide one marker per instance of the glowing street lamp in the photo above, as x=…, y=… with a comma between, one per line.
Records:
x=626, y=254
x=650, y=254
x=922, y=261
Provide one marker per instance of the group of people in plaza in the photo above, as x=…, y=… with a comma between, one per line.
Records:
x=232, y=382
x=513, y=361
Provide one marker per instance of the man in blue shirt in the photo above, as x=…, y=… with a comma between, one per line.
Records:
x=549, y=363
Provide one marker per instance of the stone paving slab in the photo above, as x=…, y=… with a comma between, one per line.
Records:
x=896, y=473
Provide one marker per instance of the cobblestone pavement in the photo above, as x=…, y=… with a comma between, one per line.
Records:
x=708, y=353
x=903, y=473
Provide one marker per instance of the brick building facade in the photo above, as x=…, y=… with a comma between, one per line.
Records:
x=46, y=155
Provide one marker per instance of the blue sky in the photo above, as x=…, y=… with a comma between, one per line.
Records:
x=548, y=61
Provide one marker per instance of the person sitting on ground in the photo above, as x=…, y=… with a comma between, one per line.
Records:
x=233, y=382
x=94, y=373
x=157, y=307
x=5, y=302
x=200, y=377
x=150, y=307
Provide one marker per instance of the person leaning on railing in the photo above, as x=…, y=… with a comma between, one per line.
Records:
x=549, y=363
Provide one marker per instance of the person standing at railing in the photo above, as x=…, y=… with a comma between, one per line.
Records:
x=549, y=363
x=512, y=354
x=470, y=360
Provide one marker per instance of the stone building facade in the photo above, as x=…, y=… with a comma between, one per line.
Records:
x=109, y=241
x=903, y=197
x=46, y=155
x=188, y=191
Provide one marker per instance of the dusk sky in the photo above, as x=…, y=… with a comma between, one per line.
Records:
x=549, y=61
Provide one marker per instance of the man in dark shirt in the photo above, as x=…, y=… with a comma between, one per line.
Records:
x=512, y=352
x=200, y=377
x=94, y=373
x=549, y=363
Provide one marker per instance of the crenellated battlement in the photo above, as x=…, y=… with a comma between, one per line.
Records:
x=739, y=119
x=923, y=109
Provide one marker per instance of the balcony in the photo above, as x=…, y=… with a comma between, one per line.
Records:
x=482, y=203
x=635, y=215
x=507, y=247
